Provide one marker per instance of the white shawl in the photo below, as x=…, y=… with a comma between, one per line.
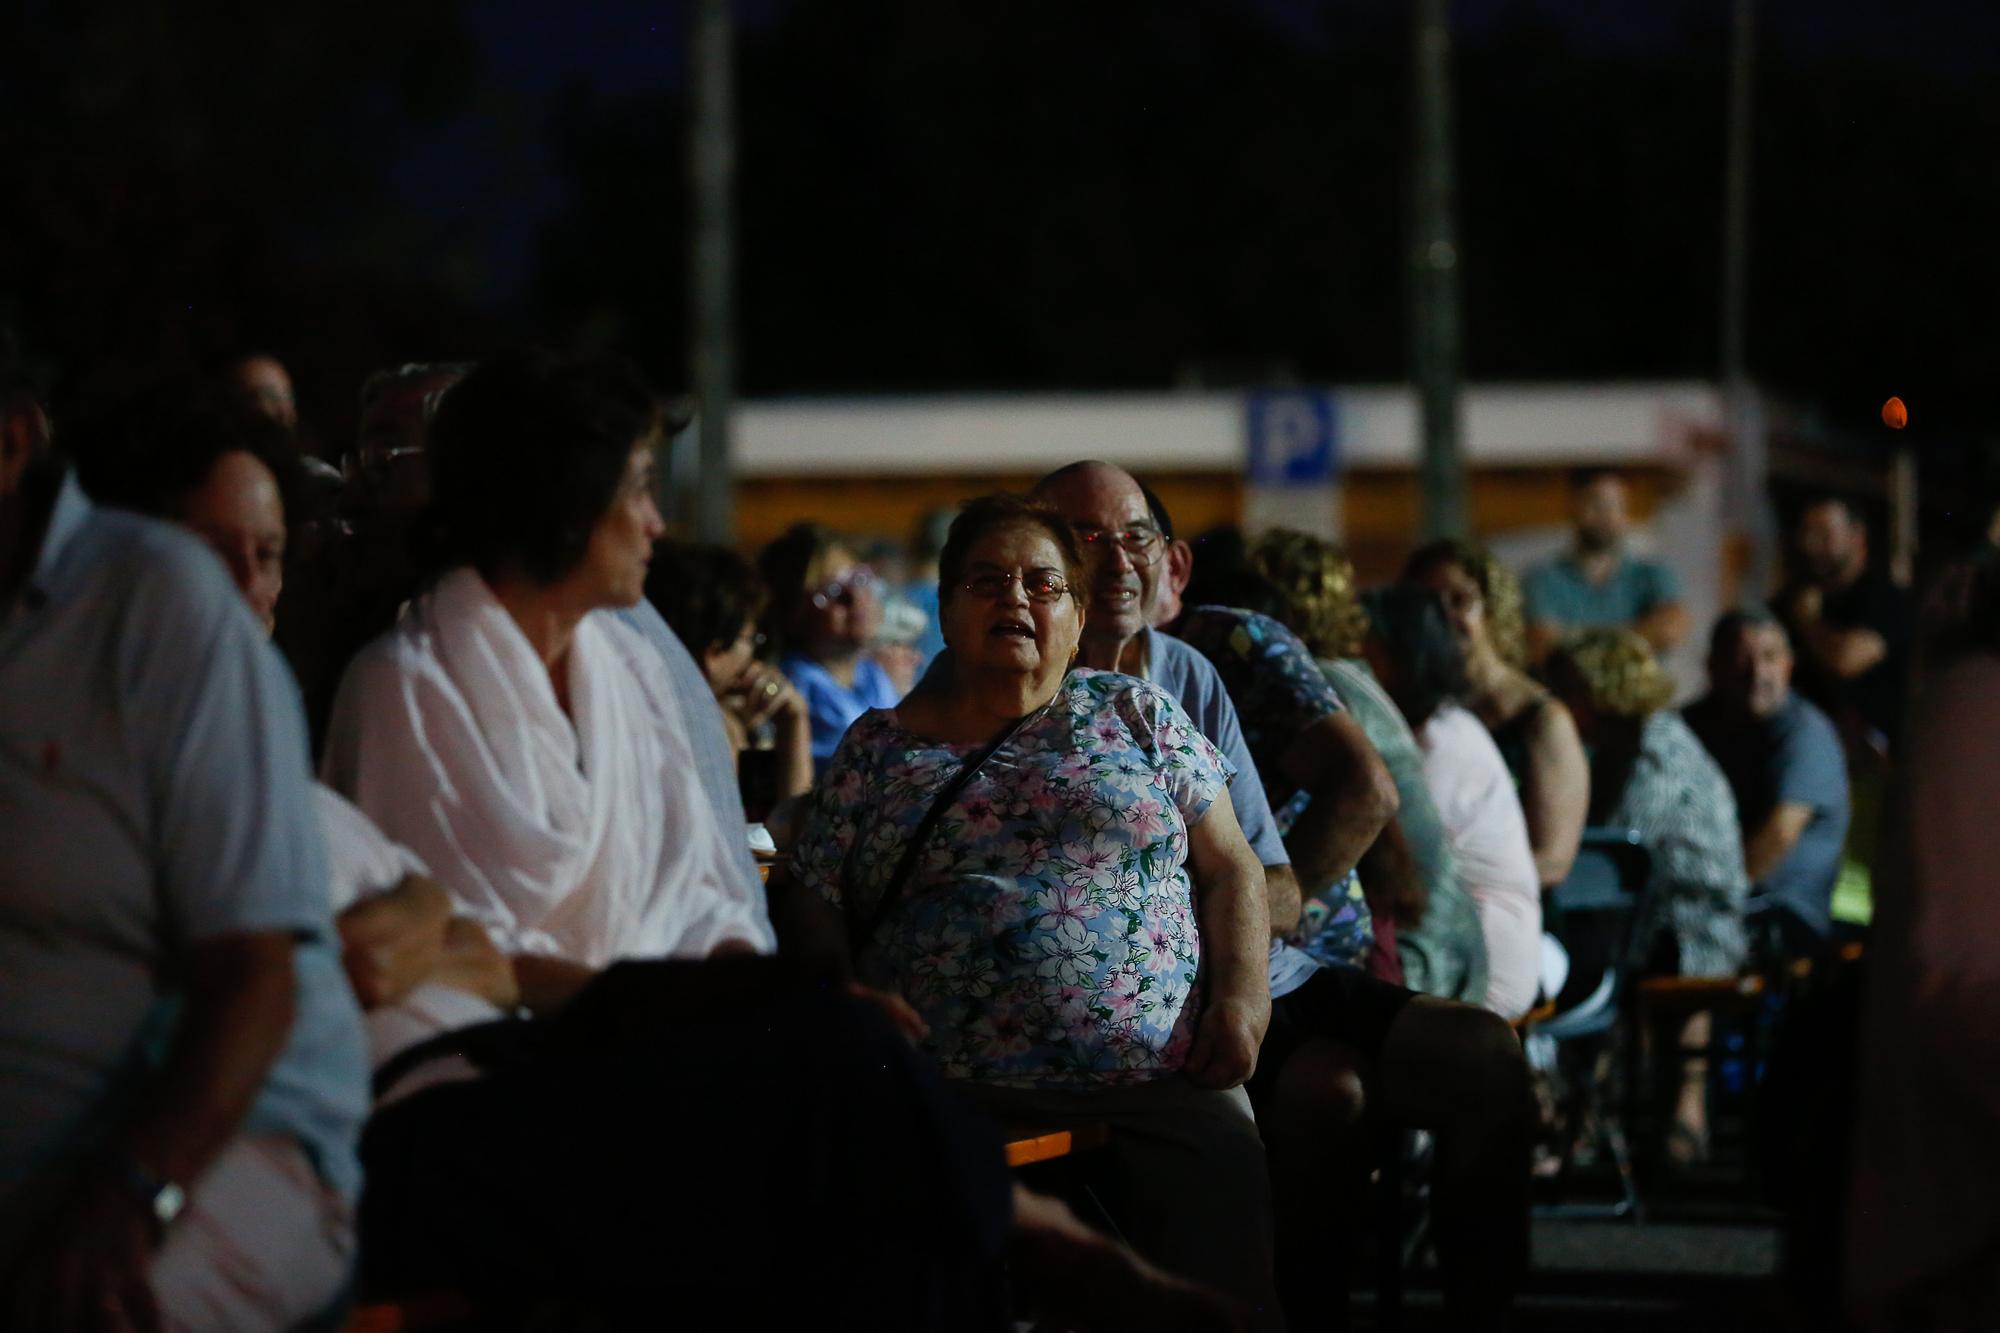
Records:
x=589, y=842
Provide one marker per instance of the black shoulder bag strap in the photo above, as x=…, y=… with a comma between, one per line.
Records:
x=860, y=930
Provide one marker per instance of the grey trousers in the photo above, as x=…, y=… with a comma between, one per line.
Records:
x=1184, y=1175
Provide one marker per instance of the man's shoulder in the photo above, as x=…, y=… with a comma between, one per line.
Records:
x=1802, y=722
x=163, y=589
x=1183, y=671
x=149, y=556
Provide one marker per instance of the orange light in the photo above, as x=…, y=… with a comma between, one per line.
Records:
x=1894, y=415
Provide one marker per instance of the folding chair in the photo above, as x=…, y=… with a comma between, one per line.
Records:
x=1601, y=914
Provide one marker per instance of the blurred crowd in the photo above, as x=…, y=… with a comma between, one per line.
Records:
x=567, y=916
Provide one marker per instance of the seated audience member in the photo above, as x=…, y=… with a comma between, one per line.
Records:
x=451, y=1174
x=350, y=585
x=1414, y=654
x=1850, y=624
x=231, y=479
x=1783, y=761
x=825, y=610
x=262, y=385
x=1598, y=583
x=1924, y=1226
x=1328, y=789
x=184, y=1072
x=1536, y=735
x=713, y=599
x=926, y=542
x=523, y=741
x=1036, y=860
x=1649, y=774
x=1334, y=1027
x=1443, y=952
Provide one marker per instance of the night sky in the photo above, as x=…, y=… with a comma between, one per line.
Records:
x=1007, y=196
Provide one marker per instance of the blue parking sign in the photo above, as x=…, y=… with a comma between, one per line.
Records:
x=1293, y=437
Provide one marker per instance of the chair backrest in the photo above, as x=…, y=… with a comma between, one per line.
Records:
x=1609, y=874
x=1600, y=911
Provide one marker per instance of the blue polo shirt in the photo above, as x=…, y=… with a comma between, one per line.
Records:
x=1559, y=592
x=155, y=792
x=1792, y=757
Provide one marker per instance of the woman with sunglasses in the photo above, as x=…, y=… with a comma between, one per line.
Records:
x=1035, y=859
x=825, y=608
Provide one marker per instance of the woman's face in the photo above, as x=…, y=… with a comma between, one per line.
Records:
x=613, y=572
x=237, y=511
x=841, y=612
x=1006, y=614
x=1464, y=605
x=724, y=664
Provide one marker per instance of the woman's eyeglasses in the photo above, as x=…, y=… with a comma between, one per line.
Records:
x=855, y=582
x=1037, y=585
x=1141, y=543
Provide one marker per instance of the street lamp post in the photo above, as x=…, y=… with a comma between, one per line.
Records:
x=711, y=286
x=1434, y=309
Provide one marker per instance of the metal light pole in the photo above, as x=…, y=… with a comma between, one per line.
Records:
x=711, y=285
x=1434, y=313
x=1745, y=422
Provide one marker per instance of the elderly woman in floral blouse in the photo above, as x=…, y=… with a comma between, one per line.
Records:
x=1035, y=859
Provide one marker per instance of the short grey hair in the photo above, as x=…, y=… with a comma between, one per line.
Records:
x=1730, y=627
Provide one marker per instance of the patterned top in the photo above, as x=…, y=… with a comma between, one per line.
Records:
x=1681, y=806
x=1279, y=691
x=1047, y=933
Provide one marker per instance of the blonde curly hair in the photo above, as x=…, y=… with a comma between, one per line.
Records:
x=1499, y=592
x=1314, y=580
x=1618, y=669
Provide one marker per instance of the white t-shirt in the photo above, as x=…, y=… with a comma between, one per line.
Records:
x=1482, y=817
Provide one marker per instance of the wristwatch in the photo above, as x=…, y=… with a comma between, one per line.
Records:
x=163, y=1200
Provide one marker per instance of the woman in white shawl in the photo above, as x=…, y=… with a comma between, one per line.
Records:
x=510, y=730
x=461, y=1166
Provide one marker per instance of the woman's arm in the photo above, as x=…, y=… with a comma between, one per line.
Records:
x=473, y=963
x=1235, y=944
x=766, y=695
x=1353, y=797
x=1556, y=795
x=394, y=940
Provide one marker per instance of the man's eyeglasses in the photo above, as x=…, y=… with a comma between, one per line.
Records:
x=1141, y=543
x=1037, y=585
x=856, y=582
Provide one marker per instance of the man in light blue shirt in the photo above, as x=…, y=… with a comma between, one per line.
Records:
x=176, y=1032
x=1321, y=1015
x=1598, y=582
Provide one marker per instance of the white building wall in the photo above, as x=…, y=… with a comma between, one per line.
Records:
x=1549, y=425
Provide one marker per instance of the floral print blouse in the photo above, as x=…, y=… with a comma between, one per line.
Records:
x=1279, y=691
x=1678, y=800
x=1047, y=933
